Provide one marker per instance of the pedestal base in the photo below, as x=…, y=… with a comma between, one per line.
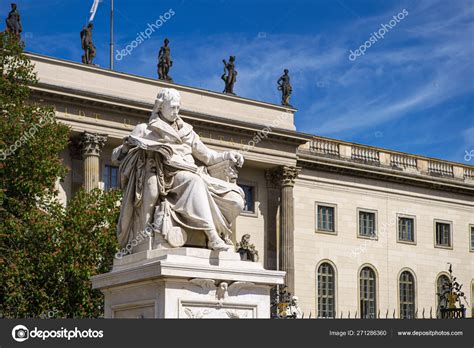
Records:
x=187, y=283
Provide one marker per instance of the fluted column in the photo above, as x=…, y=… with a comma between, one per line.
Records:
x=284, y=177
x=91, y=145
x=287, y=226
x=272, y=221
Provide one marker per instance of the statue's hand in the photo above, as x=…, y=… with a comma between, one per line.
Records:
x=235, y=157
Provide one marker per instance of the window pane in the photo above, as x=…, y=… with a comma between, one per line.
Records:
x=325, y=218
x=110, y=177
x=326, y=285
x=366, y=224
x=367, y=293
x=443, y=234
x=407, y=295
x=249, y=198
x=472, y=239
x=406, y=229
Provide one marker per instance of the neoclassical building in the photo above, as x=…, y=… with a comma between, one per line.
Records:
x=359, y=230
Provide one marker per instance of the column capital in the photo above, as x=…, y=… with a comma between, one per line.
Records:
x=289, y=175
x=281, y=176
x=91, y=144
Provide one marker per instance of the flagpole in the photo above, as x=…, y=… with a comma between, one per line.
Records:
x=111, y=34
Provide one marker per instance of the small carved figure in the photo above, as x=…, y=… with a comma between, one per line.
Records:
x=246, y=250
x=164, y=61
x=13, y=21
x=87, y=44
x=285, y=87
x=231, y=77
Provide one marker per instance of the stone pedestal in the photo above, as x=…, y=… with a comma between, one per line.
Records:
x=187, y=283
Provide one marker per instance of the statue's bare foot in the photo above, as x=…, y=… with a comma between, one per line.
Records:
x=218, y=244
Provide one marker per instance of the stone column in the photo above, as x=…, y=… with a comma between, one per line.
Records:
x=280, y=230
x=272, y=219
x=287, y=227
x=91, y=145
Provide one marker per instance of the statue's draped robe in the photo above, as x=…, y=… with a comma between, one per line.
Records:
x=161, y=167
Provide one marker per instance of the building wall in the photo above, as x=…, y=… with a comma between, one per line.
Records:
x=254, y=224
x=387, y=256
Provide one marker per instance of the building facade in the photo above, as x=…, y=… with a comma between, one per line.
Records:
x=361, y=231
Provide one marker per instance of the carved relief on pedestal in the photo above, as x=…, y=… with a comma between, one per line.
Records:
x=222, y=290
x=214, y=313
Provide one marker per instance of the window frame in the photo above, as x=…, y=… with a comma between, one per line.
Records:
x=375, y=293
x=471, y=239
x=254, y=185
x=415, y=289
x=406, y=216
x=334, y=290
x=438, y=278
x=327, y=205
x=376, y=222
x=109, y=165
x=451, y=227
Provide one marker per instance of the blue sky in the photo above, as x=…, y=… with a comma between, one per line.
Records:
x=412, y=91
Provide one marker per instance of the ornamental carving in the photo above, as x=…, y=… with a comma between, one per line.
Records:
x=281, y=176
x=91, y=144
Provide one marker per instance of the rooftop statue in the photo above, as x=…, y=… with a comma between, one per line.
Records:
x=87, y=44
x=230, y=75
x=164, y=186
x=164, y=61
x=285, y=87
x=13, y=21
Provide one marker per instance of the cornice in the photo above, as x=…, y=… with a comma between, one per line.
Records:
x=342, y=166
x=144, y=109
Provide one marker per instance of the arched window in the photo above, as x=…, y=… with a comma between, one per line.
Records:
x=441, y=288
x=326, y=291
x=367, y=289
x=407, y=295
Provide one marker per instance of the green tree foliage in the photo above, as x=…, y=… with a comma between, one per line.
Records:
x=47, y=252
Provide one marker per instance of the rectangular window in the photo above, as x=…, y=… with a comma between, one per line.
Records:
x=472, y=239
x=326, y=218
x=406, y=229
x=249, y=192
x=110, y=177
x=367, y=224
x=443, y=234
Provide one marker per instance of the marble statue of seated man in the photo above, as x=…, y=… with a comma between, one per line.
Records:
x=165, y=172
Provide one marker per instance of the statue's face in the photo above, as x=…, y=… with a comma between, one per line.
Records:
x=170, y=110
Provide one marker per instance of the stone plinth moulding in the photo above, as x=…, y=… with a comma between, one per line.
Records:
x=187, y=283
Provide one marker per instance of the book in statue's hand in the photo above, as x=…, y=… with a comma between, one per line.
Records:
x=146, y=144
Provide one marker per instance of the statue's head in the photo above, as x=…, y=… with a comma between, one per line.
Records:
x=167, y=104
x=286, y=71
x=90, y=25
x=13, y=6
x=167, y=42
x=232, y=58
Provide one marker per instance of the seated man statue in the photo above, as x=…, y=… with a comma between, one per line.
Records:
x=168, y=182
